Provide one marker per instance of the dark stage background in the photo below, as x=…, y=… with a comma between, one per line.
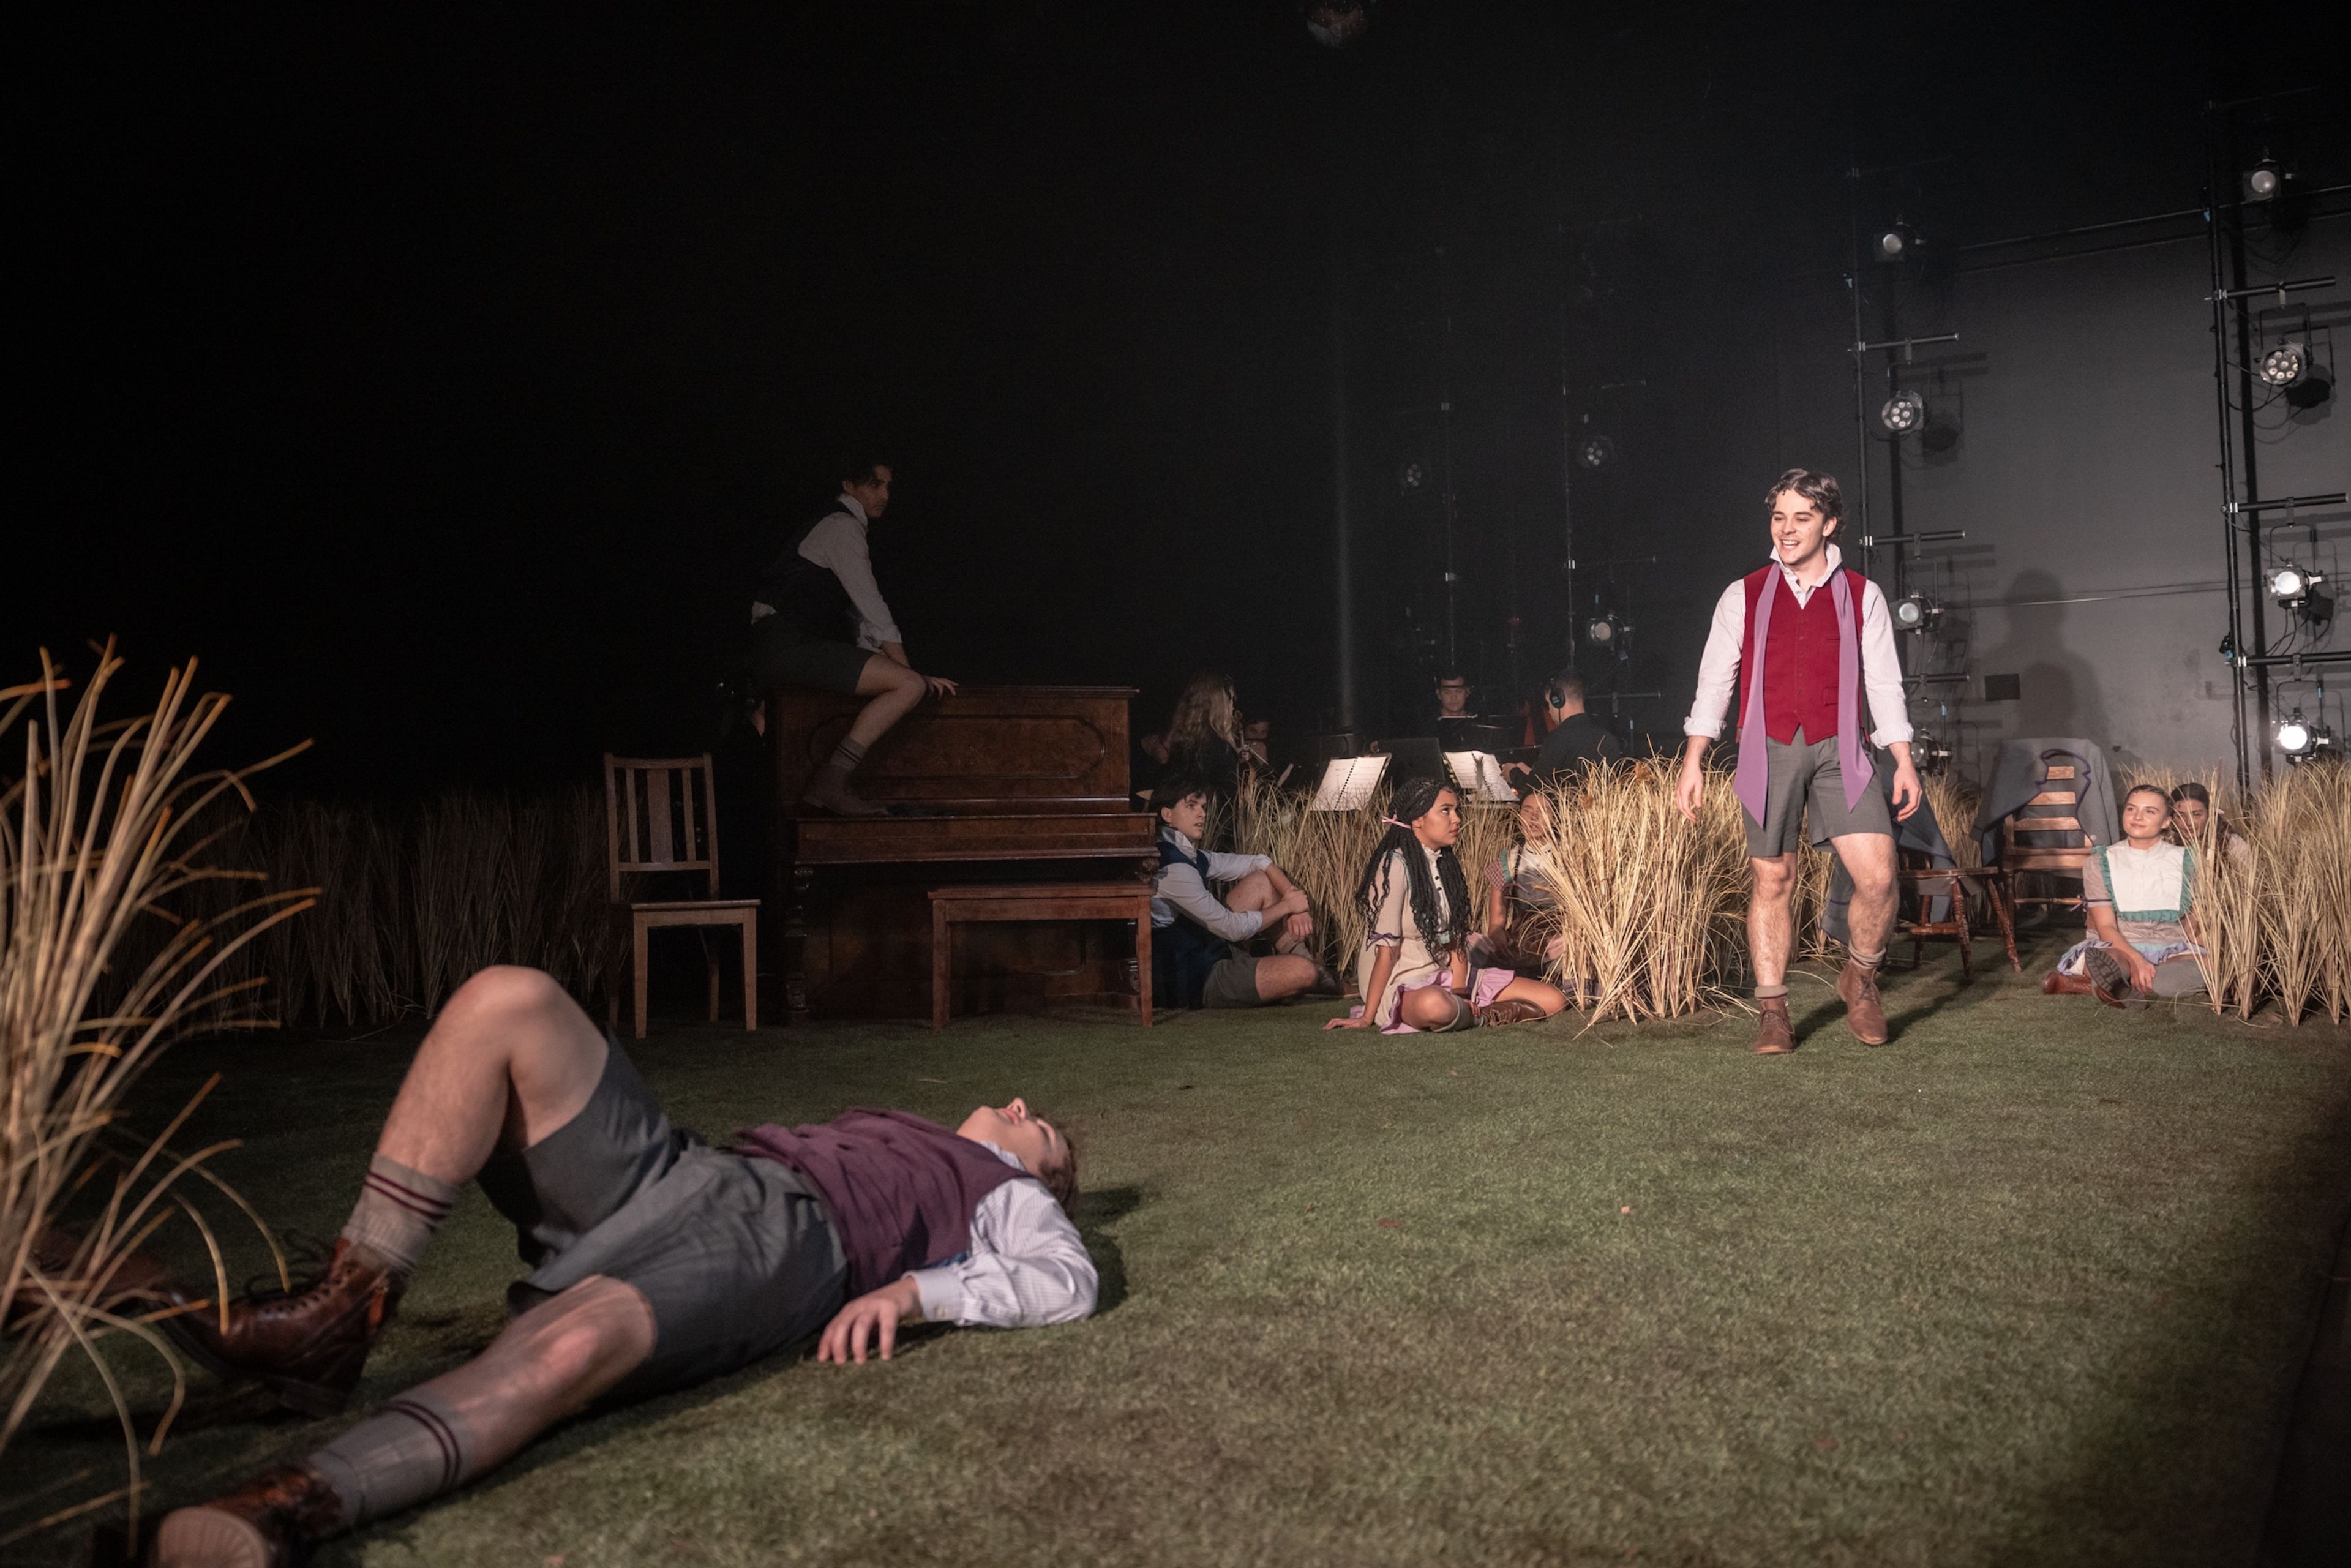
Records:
x=440, y=376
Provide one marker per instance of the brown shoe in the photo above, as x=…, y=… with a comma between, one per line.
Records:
x=1495, y=1015
x=308, y=1347
x=2110, y=981
x=1864, y=1013
x=2057, y=983
x=131, y=1281
x=830, y=791
x=1774, y=1036
x=271, y=1521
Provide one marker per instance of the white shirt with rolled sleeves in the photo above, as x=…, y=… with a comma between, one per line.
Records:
x=838, y=545
x=1178, y=889
x=1881, y=666
x=1025, y=1265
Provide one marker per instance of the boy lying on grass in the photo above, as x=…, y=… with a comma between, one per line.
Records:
x=657, y=1262
x=2141, y=895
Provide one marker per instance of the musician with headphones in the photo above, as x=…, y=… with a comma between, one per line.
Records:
x=1575, y=737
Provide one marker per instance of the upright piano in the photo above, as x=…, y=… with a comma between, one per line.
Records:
x=1026, y=782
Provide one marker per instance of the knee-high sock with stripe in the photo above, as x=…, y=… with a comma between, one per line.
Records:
x=417, y=1447
x=398, y=1210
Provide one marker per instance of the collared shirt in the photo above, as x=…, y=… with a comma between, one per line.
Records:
x=1881, y=666
x=838, y=545
x=1026, y=1266
x=1178, y=889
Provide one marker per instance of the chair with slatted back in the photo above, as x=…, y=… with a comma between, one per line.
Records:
x=661, y=821
x=2053, y=820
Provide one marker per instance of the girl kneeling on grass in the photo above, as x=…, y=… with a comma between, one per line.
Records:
x=2140, y=893
x=1414, y=970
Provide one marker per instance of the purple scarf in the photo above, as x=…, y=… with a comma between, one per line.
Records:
x=1752, y=780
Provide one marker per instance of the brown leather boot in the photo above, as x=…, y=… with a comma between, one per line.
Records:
x=2057, y=983
x=829, y=790
x=309, y=1346
x=1494, y=1015
x=271, y=1521
x=1864, y=1013
x=1774, y=1036
x=2110, y=981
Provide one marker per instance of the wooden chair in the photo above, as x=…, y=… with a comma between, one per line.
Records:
x=2053, y=813
x=1930, y=880
x=651, y=807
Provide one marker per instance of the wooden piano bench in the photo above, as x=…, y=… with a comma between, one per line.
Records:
x=1037, y=901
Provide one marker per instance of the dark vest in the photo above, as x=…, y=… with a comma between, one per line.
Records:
x=1183, y=954
x=1799, y=662
x=810, y=605
x=900, y=1189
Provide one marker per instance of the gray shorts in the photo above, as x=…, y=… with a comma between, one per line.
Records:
x=736, y=1256
x=1231, y=983
x=778, y=659
x=1805, y=789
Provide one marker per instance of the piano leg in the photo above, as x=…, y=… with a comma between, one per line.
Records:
x=796, y=946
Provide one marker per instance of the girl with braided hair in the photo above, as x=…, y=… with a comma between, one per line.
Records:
x=1414, y=970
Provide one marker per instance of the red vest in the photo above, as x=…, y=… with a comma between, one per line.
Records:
x=1799, y=666
x=900, y=1189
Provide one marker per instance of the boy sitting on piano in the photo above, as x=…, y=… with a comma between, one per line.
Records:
x=1195, y=957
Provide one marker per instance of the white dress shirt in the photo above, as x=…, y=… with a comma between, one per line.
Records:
x=838, y=545
x=1179, y=889
x=1881, y=666
x=1026, y=1266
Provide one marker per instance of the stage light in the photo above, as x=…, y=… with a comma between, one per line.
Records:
x=1929, y=754
x=1904, y=413
x=1335, y=24
x=2290, y=585
x=2302, y=739
x=1916, y=612
x=1607, y=629
x=1594, y=452
x=2262, y=181
x=2282, y=366
x=1411, y=476
x=1894, y=244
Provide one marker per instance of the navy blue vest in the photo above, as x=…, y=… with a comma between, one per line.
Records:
x=1183, y=954
x=811, y=605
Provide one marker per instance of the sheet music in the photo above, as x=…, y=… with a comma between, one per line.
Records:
x=1348, y=783
x=1480, y=773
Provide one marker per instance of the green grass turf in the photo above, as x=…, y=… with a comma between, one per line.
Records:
x=2031, y=1285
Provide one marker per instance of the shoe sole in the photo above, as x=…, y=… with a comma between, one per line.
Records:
x=211, y=1538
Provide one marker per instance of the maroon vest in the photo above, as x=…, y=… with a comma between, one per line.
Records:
x=1800, y=664
x=900, y=1189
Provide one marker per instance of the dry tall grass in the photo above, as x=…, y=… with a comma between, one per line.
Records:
x=103, y=962
x=414, y=900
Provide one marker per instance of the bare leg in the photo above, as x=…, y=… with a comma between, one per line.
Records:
x=1283, y=976
x=1869, y=920
x=894, y=690
x=510, y=1060
x=1430, y=1007
x=1256, y=891
x=1770, y=919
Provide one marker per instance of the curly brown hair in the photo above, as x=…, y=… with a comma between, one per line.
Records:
x=1821, y=489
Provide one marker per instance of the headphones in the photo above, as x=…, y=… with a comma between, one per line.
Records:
x=1554, y=694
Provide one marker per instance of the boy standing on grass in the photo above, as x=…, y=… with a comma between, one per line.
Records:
x=1800, y=638
x=657, y=1262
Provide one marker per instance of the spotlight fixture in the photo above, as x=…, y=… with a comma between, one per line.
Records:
x=2282, y=366
x=1411, y=476
x=2302, y=739
x=1928, y=753
x=1916, y=612
x=2262, y=182
x=1905, y=412
x=1607, y=629
x=1897, y=243
x=1594, y=451
x=2291, y=585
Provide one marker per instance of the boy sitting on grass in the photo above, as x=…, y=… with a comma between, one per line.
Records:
x=1195, y=957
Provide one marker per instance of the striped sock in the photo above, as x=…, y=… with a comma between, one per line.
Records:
x=416, y=1447
x=847, y=755
x=399, y=1210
